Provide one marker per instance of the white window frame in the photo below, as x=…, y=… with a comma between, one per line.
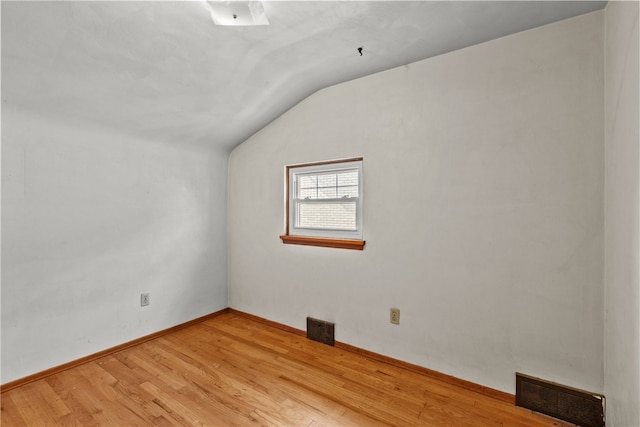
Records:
x=293, y=174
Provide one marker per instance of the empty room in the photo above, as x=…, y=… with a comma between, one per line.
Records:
x=320, y=213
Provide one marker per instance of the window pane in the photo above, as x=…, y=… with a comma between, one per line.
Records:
x=337, y=216
x=307, y=193
x=333, y=185
x=308, y=181
x=348, y=178
x=327, y=180
x=347, y=192
x=327, y=193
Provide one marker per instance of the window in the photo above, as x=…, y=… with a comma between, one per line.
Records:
x=324, y=204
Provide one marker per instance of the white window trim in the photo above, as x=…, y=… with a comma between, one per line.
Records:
x=293, y=203
x=345, y=239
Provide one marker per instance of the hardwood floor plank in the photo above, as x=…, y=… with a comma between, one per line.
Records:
x=72, y=399
x=88, y=399
x=136, y=402
x=27, y=413
x=256, y=397
x=269, y=363
x=235, y=371
x=373, y=385
x=10, y=415
x=42, y=395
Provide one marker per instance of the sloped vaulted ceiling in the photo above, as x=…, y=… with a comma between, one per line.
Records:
x=163, y=70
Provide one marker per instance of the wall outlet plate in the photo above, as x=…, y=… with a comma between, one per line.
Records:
x=394, y=315
x=144, y=300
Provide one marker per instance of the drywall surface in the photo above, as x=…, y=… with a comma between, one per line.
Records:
x=622, y=215
x=91, y=219
x=483, y=211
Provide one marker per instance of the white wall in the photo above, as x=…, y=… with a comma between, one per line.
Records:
x=483, y=178
x=622, y=215
x=91, y=219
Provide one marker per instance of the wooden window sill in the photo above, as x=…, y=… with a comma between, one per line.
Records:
x=357, y=245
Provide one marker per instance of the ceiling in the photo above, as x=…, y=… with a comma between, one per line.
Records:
x=162, y=70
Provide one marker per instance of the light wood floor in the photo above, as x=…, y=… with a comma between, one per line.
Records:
x=231, y=370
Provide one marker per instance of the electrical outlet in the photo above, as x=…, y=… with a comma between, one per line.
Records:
x=144, y=300
x=394, y=316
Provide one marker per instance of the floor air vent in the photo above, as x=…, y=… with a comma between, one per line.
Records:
x=321, y=331
x=562, y=402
